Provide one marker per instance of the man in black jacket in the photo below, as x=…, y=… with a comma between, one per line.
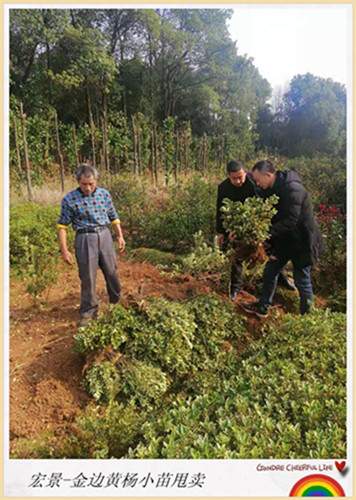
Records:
x=294, y=235
x=238, y=186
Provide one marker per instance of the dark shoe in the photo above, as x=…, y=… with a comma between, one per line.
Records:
x=306, y=306
x=234, y=293
x=256, y=308
x=85, y=320
x=284, y=282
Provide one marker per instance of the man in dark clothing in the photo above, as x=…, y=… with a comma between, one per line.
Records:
x=238, y=186
x=294, y=235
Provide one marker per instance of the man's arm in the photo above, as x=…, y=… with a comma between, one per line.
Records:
x=118, y=231
x=62, y=237
x=293, y=206
x=219, y=224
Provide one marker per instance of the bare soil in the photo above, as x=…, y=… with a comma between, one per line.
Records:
x=45, y=374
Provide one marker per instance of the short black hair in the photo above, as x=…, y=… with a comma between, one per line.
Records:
x=264, y=166
x=234, y=166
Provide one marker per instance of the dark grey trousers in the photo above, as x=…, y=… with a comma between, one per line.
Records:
x=93, y=250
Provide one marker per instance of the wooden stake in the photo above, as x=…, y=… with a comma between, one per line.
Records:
x=17, y=146
x=60, y=155
x=27, y=160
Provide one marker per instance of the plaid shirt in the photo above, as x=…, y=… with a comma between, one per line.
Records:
x=82, y=211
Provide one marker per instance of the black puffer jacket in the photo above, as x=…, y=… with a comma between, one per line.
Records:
x=294, y=232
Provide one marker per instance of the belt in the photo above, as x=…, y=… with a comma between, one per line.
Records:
x=95, y=229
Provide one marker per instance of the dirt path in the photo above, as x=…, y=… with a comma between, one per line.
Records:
x=45, y=373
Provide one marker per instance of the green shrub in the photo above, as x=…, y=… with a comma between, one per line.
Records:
x=323, y=177
x=144, y=382
x=165, y=336
x=156, y=257
x=286, y=399
x=109, y=432
x=34, y=246
x=203, y=257
x=103, y=381
x=126, y=379
x=112, y=329
x=168, y=220
x=32, y=225
x=249, y=221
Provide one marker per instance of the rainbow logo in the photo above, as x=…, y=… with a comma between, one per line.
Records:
x=317, y=485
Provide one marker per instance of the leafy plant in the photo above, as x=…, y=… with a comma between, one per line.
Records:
x=203, y=257
x=249, y=221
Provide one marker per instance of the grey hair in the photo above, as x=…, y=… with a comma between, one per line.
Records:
x=86, y=170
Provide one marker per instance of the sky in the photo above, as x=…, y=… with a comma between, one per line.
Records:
x=286, y=40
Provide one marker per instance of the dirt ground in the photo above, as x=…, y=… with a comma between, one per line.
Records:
x=45, y=373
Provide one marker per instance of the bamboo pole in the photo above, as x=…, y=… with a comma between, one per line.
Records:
x=17, y=145
x=59, y=151
x=27, y=160
x=75, y=144
x=92, y=128
x=134, y=128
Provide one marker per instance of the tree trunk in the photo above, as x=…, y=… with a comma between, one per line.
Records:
x=106, y=151
x=205, y=152
x=155, y=155
x=222, y=154
x=17, y=145
x=92, y=128
x=27, y=161
x=176, y=157
x=60, y=156
x=139, y=149
x=152, y=156
x=134, y=129
x=75, y=144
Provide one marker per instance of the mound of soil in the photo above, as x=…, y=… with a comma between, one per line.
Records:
x=45, y=373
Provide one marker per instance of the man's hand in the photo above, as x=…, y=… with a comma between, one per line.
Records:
x=122, y=244
x=232, y=236
x=220, y=240
x=67, y=257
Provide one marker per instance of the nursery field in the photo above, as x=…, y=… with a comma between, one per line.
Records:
x=176, y=370
x=159, y=101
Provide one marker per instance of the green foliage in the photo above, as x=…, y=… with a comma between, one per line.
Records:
x=249, y=221
x=34, y=246
x=188, y=209
x=216, y=321
x=156, y=257
x=281, y=402
x=126, y=379
x=323, y=177
x=113, y=329
x=330, y=273
x=203, y=258
x=284, y=397
x=169, y=67
x=165, y=336
x=103, y=381
x=315, y=115
x=41, y=272
x=31, y=224
x=120, y=140
x=109, y=432
x=144, y=382
x=168, y=220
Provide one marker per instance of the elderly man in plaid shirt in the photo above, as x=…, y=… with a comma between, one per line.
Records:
x=90, y=210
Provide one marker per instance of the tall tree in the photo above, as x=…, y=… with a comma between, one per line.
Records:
x=314, y=115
